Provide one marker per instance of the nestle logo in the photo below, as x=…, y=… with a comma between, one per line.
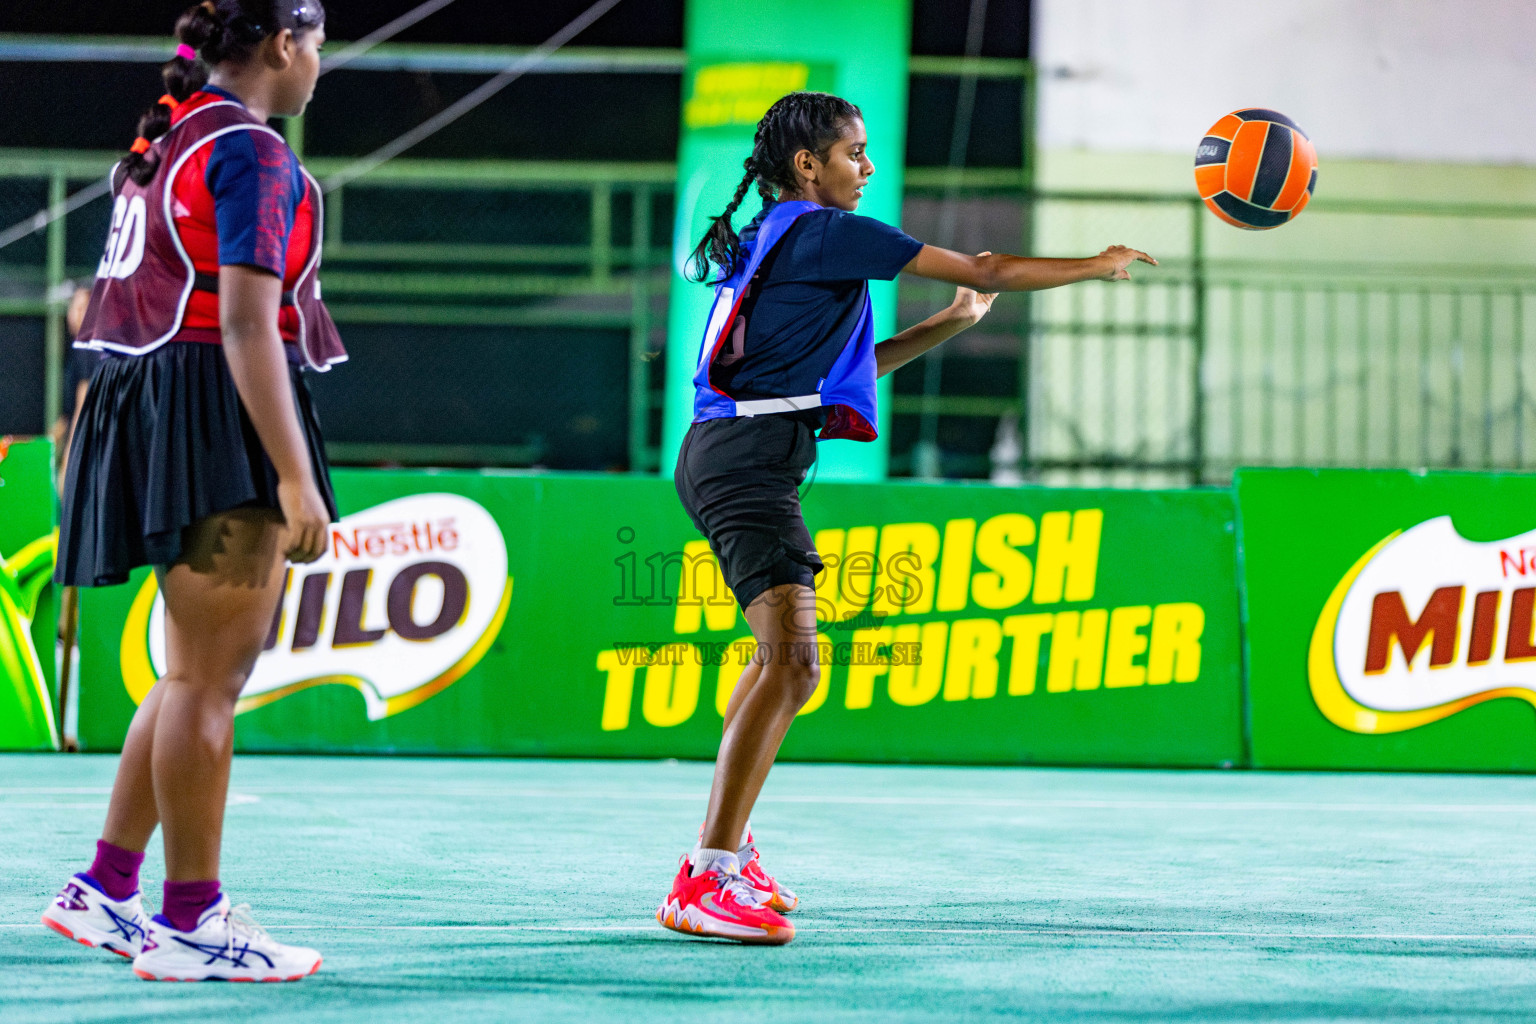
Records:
x=1522, y=561
x=377, y=540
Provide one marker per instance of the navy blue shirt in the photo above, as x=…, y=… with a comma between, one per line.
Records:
x=809, y=296
x=257, y=186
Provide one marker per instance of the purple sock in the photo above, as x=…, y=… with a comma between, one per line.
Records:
x=116, y=870
x=186, y=901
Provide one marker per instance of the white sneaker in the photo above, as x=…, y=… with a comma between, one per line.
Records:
x=86, y=914
x=226, y=945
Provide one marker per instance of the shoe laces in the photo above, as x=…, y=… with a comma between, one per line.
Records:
x=742, y=890
x=240, y=920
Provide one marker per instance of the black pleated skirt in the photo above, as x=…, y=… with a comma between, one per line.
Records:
x=162, y=442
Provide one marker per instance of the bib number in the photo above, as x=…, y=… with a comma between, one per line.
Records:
x=125, y=245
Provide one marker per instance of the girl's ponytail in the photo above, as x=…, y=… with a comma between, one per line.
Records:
x=720, y=245
x=198, y=29
x=209, y=33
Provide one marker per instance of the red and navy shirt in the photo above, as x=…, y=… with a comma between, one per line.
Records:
x=242, y=200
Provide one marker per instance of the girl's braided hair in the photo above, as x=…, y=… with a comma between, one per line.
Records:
x=210, y=33
x=801, y=120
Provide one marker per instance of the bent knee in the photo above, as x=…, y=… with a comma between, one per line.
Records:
x=207, y=685
x=801, y=676
x=219, y=670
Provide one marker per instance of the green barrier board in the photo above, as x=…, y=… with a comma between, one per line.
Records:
x=28, y=603
x=583, y=616
x=1388, y=618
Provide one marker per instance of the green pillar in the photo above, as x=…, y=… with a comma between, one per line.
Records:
x=743, y=55
x=57, y=300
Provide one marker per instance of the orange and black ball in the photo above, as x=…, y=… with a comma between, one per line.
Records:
x=1256, y=169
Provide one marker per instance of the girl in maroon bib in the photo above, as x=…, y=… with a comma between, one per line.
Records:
x=197, y=451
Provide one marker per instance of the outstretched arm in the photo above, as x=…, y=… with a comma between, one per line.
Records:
x=969, y=306
x=1003, y=273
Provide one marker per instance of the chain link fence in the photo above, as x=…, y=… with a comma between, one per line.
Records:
x=1344, y=344
x=492, y=298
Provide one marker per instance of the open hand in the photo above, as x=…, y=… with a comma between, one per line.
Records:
x=971, y=305
x=1118, y=257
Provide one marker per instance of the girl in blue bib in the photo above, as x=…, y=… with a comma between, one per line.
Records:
x=789, y=357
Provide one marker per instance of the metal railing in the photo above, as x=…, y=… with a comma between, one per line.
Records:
x=1177, y=377
x=1208, y=362
x=602, y=274
x=597, y=260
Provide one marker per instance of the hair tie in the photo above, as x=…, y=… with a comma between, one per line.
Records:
x=169, y=101
x=186, y=52
x=140, y=145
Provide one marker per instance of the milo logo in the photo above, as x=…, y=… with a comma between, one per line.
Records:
x=408, y=597
x=1426, y=624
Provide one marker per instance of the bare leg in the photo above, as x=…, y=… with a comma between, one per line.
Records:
x=783, y=619
x=749, y=677
x=132, y=815
x=218, y=604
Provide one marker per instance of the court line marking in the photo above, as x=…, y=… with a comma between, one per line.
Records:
x=234, y=800
x=1095, y=804
x=900, y=931
x=831, y=930
x=77, y=790
x=53, y=805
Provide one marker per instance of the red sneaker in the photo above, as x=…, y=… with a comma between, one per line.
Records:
x=722, y=904
x=769, y=892
x=779, y=897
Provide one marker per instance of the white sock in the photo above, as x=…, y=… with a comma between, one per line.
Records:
x=741, y=847
x=704, y=859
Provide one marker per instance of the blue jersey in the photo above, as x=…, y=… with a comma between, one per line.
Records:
x=791, y=331
x=809, y=295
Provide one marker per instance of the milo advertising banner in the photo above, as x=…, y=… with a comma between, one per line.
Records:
x=28, y=605
x=1390, y=618
x=387, y=611
x=571, y=615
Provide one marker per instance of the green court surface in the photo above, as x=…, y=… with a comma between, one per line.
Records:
x=491, y=890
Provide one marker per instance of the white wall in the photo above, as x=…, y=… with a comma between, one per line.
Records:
x=1424, y=80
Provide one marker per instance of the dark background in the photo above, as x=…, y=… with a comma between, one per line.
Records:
x=938, y=26
x=592, y=117
x=543, y=116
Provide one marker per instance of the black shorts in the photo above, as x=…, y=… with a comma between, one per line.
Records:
x=739, y=480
